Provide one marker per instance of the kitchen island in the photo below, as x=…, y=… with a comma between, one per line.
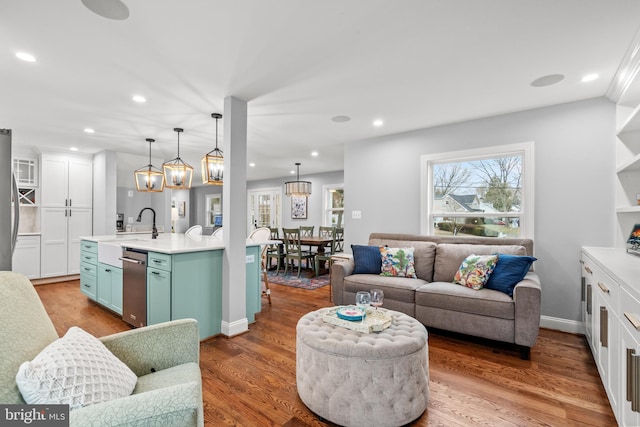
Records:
x=183, y=276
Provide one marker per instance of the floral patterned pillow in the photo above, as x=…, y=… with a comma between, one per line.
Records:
x=475, y=270
x=397, y=262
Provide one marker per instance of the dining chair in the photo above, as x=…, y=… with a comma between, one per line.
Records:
x=307, y=231
x=275, y=250
x=195, y=230
x=327, y=233
x=293, y=250
x=263, y=234
x=339, y=240
x=217, y=233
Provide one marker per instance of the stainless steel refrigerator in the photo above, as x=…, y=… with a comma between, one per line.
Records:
x=9, y=204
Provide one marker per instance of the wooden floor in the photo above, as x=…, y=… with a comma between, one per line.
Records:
x=249, y=380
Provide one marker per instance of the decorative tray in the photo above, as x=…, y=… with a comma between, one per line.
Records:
x=374, y=321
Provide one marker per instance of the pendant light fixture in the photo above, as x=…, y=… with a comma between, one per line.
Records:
x=297, y=187
x=149, y=178
x=177, y=173
x=213, y=161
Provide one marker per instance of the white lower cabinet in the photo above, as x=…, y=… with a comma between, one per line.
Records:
x=612, y=324
x=61, y=231
x=26, y=257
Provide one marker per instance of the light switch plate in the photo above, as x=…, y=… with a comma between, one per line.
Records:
x=356, y=214
x=250, y=259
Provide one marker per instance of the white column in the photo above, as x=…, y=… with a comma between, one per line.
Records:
x=234, y=212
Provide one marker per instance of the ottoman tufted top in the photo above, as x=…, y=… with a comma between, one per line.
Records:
x=405, y=336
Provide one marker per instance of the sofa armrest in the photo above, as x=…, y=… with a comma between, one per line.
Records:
x=156, y=347
x=179, y=404
x=527, y=299
x=340, y=270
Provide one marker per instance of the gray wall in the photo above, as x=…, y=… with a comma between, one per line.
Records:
x=314, y=202
x=574, y=146
x=132, y=205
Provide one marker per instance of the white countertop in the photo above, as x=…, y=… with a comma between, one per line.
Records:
x=621, y=266
x=167, y=243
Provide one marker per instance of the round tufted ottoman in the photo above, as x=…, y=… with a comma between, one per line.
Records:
x=357, y=379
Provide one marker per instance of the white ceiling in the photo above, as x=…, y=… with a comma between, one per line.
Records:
x=298, y=63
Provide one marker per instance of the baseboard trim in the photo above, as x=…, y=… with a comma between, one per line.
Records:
x=48, y=280
x=234, y=328
x=564, y=325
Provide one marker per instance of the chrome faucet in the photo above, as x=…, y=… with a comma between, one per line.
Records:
x=154, y=230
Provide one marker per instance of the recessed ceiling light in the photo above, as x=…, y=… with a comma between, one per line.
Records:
x=292, y=171
x=341, y=119
x=73, y=148
x=547, y=80
x=27, y=57
x=253, y=165
x=113, y=9
x=89, y=130
x=378, y=123
x=589, y=78
x=314, y=153
x=139, y=98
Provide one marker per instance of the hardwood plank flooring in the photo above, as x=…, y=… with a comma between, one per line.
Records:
x=250, y=380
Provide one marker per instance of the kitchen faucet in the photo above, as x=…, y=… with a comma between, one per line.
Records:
x=154, y=230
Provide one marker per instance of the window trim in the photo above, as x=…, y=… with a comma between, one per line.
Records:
x=326, y=198
x=526, y=149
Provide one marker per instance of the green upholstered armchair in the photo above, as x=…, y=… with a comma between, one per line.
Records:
x=164, y=357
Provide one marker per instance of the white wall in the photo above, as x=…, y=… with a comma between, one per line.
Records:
x=574, y=185
x=104, y=192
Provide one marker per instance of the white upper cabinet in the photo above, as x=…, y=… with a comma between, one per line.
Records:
x=66, y=181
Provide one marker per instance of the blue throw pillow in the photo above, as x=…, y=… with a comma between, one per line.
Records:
x=509, y=270
x=366, y=259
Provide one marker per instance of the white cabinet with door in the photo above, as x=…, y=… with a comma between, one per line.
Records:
x=26, y=257
x=66, y=212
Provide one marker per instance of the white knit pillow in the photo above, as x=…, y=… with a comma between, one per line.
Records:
x=77, y=370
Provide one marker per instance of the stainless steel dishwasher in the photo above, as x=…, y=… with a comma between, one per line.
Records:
x=134, y=287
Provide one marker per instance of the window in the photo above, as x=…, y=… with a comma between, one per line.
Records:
x=483, y=192
x=213, y=210
x=333, y=205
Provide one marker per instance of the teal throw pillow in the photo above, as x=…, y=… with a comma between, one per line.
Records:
x=510, y=269
x=366, y=259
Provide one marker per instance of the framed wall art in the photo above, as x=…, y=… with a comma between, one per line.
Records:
x=298, y=207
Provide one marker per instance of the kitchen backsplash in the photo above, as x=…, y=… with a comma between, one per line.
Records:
x=29, y=220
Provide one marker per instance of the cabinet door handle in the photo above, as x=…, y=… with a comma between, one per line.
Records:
x=69, y=212
x=634, y=383
x=87, y=286
x=108, y=270
x=588, y=270
x=69, y=202
x=155, y=272
x=66, y=202
x=604, y=327
x=87, y=269
x=603, y=287
x=157, y=261
x=589, y=298
x=583, y=285
x=633, y=320
x=630, y=353
x=87, y=257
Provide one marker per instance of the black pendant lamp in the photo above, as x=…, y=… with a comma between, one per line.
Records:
x=149, y=178
x=213, y=161
x=177, y=173
x=297, y=187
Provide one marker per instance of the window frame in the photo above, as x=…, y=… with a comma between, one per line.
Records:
x=524, y=149
x=326, y=200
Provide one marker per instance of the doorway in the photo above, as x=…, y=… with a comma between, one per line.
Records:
x=265, y=208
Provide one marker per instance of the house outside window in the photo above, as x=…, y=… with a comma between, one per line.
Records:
x=333, y=205
x=482, y=192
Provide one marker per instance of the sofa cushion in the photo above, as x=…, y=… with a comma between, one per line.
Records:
x=397, y=262
x=449, y=296
x=475, y=270
x=424, y=254
x=449, y=256
x=366, y=259
x=77, y=370
x=394, y=288
x=509, y=270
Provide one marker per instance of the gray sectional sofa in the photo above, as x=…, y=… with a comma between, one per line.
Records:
x=435, y=301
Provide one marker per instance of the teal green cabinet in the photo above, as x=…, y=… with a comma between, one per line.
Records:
x=109, y=287
x=88, y=268
x=158, y=296
x=254, y=285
